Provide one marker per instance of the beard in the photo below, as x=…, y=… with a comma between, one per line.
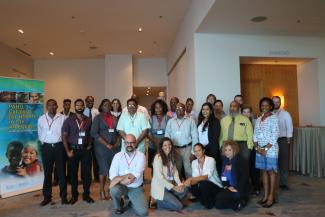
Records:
x=79, y=111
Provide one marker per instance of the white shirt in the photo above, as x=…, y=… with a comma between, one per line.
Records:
x=123, y=164
x=209, y=168
x=94, y=112
x=139, y=109
x=285, y=123
x=49, y=130
x=203, y=136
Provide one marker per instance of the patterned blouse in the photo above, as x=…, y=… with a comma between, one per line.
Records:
x=267, y=131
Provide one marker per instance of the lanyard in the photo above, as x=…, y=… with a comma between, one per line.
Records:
x=80, y=127
x=179, y=125
x=159, y=122
x=127, y=162
x=50, y=124
x=133, y=118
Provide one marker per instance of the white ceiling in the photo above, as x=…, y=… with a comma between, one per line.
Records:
x=70, y=27
x=285, y=17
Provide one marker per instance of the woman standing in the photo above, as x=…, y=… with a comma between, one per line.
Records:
x=231, y=196
x=106, y=137
x=166, y=187
x=116, y=108
x=158, y=125
x=266, y=134
x=209, y=131
x=205, y=183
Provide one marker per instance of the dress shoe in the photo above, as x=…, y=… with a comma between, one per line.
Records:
x=88, y=199
x=238, y=207
x=265, y=205
x=64, y=201
x=73, y=200
x=46, y=201
x=261, y=201
x=118, y=211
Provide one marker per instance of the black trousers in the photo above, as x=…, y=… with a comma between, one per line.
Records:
x=254, y=173
x=206, y=192
x=54, y=154
x=226, y=199
x=55, y=172
x=83, y=156
x=244, y=154
x=283, y=160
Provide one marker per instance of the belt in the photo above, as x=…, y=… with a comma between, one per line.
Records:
x=184, y=146
x=51, y=144
x=77, y=147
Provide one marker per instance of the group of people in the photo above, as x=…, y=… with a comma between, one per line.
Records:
x=209, y=156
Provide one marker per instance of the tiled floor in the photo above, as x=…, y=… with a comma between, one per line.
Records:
x=306, y=198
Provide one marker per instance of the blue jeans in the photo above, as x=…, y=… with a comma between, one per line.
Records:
x=172, y=200
x=136, y=196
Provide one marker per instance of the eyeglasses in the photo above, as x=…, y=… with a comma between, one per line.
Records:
x=131, y=106
x=129, y=143
x=179, y=108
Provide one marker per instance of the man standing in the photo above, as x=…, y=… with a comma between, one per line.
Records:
x=189, y=112
x=126, y=175
x=239, y=99
x=91, y=112
x=66, y=113
x=49, y=133
x=133, y=122
x=66, y=108
x=140, y=108
x=77, y=144
x=173, y=102
x=284, y=141
x=238, y=127
x=183, y=132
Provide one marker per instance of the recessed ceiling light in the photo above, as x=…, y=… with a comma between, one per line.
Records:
x=147, y=94
x=258, y=19
x=148, y=88
x=140, y=51
x=51, y=53
x=21, y=31
x=140, y=29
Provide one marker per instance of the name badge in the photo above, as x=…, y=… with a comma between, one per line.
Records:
x=160, y=132
x=79, y=141
x=223, y=178
x=82, y=133
x=49, y=132
x=111, y=130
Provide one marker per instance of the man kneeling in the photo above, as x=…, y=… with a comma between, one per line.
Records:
x=126, y=175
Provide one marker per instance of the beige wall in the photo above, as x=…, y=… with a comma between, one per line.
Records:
x=15, y=64
x=72, y=78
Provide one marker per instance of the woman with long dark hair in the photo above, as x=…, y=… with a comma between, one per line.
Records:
x=209, y=131
x=158, y=125
x=166, y=187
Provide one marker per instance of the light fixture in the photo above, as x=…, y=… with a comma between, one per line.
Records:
x=51, y=53
x=140, y=51
x=140, y=29
x=258, y=19
x=148, y=88
x=21, y=31
x=147, y=94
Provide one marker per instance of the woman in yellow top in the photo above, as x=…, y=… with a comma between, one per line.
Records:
x=166, y=187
